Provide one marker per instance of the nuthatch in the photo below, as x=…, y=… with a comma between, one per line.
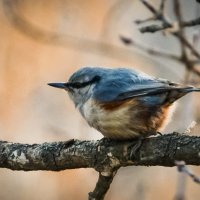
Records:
x=123, y=103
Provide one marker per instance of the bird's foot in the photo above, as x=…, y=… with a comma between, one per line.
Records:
x=136, y=147
x=159, y=133
x=154, y=134
x=106, y=140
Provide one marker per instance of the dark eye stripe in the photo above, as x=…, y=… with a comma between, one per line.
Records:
x=78, y=85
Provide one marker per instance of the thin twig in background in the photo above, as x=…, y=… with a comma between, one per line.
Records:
x=182, y=179
x=162, y=5
x=155, y=28
x=158, y=15
x=190, y=127
x=161, y=17
x=102, y=186
x=195, y=35
x=140, y=21
x=148, y=50
x=181, y=166
x=181, y=32
x=181, y=187
x=156, y=52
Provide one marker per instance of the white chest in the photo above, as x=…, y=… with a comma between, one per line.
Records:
x=91, y=112
x=105, y=121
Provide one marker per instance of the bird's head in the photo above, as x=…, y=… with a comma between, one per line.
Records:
x=80, y=85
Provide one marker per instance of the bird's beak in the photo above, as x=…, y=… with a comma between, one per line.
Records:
x=59, y=85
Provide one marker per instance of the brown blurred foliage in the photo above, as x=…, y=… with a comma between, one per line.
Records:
x=72, y=34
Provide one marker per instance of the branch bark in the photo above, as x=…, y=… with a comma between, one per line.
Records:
x=105, y=156
x=102, y=186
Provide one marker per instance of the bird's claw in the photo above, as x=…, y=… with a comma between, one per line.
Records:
x=136, y=147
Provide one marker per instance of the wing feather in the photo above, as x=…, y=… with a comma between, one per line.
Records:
x=148, y=92
x=116, y=88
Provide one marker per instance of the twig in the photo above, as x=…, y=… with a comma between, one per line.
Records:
x=181, y=187
x=156, y=28
x=162, y=18
x=179, y=34
x=157, y=52
x=162, y=5
x=190, y=127
x=181, y=166
x=102, y=186
x=187, y=43
x=151, y=51
x=150, y=7
x=192, y=22
x=157, y=15
x=140, y=21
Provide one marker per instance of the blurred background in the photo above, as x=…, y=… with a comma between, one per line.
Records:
x=46, y=41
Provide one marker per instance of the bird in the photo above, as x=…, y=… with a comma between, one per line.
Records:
x=123, y=103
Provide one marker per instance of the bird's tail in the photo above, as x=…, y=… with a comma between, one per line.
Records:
x=179, y=92
x=187, y=89
x=195, y=90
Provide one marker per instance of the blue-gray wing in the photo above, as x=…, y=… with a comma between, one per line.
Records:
x=122, y=87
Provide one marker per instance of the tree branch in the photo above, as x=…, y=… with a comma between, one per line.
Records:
x=183, y=168
x=154, y=28
x=150, y=50
x=102, y=155
x=105, y=156
x=102, y=186
x=177, y=30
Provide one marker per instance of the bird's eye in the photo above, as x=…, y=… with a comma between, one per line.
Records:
x=78, y=85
